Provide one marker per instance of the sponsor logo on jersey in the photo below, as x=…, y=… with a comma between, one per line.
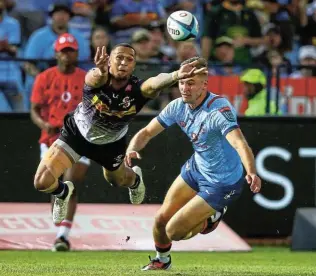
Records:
x=105, y=109
x=227, y=113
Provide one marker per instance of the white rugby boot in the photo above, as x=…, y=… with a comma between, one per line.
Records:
x=137, y=195
x=60, y=207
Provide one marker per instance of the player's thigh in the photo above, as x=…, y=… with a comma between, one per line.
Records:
x=54, y=162
x=78, y=171
x=177, y=196
x=189, y=216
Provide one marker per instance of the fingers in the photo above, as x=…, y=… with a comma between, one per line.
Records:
x=96, y=57
x=248, y=179
x=103, y=52
x=138, y=155
x=128, y=161
x=201, y=71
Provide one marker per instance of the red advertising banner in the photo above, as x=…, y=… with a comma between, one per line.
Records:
x=297, y=96
x=101, y=227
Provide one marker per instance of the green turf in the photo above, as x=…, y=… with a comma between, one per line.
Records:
x=262, y=261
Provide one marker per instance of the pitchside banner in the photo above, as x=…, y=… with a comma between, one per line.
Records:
x=298, y=95
x=285, y=150
x=101, y=227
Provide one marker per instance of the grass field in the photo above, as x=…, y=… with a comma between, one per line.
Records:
x=262, y=261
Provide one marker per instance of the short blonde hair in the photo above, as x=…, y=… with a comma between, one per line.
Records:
x=202, y=62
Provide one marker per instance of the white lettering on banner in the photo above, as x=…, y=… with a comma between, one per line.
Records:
x=275, y=178
x=42, y=223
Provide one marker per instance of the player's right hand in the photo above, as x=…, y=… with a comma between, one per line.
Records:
x=101, y=60
x=131, y=155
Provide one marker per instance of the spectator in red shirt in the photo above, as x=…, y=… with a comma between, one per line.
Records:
x=57, y=91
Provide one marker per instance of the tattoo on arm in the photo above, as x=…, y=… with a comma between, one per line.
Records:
x=95, y=78
x=153, y=86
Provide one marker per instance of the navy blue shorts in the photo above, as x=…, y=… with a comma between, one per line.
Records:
x=216, y=195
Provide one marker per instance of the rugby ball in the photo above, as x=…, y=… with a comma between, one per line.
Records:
x=182, y=26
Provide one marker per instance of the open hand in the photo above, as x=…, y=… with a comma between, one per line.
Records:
x=131, y=155
x=101, y=60
x=189, y=70
x=254, y=181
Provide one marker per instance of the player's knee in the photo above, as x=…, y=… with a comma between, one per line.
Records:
x=43, y=180
x=161, y=220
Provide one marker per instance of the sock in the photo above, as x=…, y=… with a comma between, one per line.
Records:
x=163, y=252
x=61, y=191
x=64, y=229
x=136, y=183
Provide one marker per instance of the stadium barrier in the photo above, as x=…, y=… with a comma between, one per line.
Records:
x=285, y=157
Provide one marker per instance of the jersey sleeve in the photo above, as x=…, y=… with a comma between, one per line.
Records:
x=223, y=117
x=38, y=96
x=167, y=116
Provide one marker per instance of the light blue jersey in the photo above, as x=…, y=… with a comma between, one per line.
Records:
x=206, y=126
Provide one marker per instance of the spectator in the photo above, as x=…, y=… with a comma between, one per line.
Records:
x=83, y=16
x=141, y=41
x=255, y=82
x=10, y=73
x=186, y=50
x=102, y=10
x=99, y=38
x=129, y=15
x=307, y=57
x=40, y=44
x=282, y=14
x=162, y=51
x=223, y=59
x=30, y=14
x=276, y=61
x=308, y=25
x=274, y=42
x=234, y=20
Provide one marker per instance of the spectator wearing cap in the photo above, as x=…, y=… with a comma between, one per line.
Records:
x=10, y=73
x=255, y=82
x=307, y=57
x=142, y=43
x=129, y=15
x=223, y=58
x=40, y=44
x=236, y=21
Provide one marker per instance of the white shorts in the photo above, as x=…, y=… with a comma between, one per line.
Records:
x=83, y=160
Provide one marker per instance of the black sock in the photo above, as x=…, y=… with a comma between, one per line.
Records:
x=61, y=191
x=136, y=183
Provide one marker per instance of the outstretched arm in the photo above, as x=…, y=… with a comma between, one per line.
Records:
x=141, y=139
x=98, y=76
x=152, y=87
x=238, y=141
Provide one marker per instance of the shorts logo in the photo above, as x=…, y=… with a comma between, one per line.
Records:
x=118, y=159
x=228, y=114
x=182, y=124
x=231, y=193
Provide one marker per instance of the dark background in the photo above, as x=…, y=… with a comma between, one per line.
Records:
x=161, y=163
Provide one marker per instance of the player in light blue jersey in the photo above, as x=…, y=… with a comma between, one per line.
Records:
x=212, y=178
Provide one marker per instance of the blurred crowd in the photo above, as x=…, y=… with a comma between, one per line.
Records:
x=275, y=35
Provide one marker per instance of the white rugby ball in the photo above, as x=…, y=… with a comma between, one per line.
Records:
x=182, y=26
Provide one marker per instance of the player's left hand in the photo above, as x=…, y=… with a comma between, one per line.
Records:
x=131, y=155
x=254, y=181
x=189, y=70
